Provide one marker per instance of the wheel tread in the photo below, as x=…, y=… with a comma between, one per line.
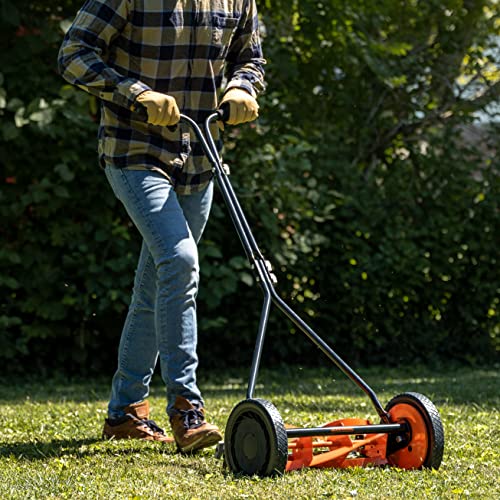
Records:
x=435, y=426
x=278, y=449
x=281, y=435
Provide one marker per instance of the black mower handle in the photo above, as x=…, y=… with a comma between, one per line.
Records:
x=223, y=114
x=261, y=267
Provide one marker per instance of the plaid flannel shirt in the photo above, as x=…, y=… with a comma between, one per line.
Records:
x=117, y=49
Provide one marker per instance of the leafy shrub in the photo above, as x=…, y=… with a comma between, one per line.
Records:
x=381, y=220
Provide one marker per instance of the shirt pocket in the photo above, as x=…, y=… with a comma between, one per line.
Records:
x=223, y=29
x=215, y=35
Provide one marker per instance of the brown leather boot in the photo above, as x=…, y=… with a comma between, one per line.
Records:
x=135, y=424
x=191, y=431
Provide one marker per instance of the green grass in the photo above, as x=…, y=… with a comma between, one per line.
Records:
x=50, y=444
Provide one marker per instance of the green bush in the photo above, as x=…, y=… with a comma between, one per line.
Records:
x=380, y=218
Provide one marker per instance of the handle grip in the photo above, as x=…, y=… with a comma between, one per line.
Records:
x=141, y=114
x=224, y=112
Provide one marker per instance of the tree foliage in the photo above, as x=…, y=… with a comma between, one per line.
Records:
x=371, y=179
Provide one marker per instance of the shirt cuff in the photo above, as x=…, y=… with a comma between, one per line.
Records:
x=242, y=84
x=127, y=90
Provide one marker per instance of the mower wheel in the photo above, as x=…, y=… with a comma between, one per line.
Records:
x=255, y=439
x=422, y=445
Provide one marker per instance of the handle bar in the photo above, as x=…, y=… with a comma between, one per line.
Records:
x=222, y=114
x=263, y=272
x=204, y=137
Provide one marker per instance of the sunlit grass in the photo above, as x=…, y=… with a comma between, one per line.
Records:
x=50, y=444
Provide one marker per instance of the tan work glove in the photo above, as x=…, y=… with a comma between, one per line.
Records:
x=242, y=106
x=162, y=108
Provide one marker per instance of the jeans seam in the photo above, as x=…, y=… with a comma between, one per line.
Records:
x=143, y=212
x=131, y=194
x=125, y=350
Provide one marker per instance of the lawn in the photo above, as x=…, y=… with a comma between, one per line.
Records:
x=50, y=444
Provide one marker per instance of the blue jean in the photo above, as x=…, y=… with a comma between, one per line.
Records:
x=161, y=320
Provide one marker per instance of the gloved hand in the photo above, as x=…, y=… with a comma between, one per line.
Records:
x=162, y=108
x=242, y=106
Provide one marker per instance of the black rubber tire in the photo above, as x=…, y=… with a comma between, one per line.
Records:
x=255, y=439
x=433, y=426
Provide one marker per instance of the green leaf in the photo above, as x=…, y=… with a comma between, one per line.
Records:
x=10, y=132
x=14, y=104
x=9, y=12
x=19, y=118
x=64, y=171
x=3, y=98
x=61, y=192
x=9, y=282
x=247, y=279
x=212, y=251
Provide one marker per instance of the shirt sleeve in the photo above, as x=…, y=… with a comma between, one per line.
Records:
x=245, y=62
x=82, y=56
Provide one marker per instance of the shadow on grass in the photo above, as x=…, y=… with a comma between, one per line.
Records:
x=53, y=389
x=42, y=450
x=455, y=385
x=80, y=448
x=462, y=386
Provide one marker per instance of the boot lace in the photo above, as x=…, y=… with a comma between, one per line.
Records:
x=153, y=426
x=192, y=418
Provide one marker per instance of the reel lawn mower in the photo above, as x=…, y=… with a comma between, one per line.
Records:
x=410, y=432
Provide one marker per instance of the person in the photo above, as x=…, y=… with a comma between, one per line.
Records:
x=156, y=59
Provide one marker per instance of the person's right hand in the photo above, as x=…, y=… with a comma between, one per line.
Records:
x=162, y=108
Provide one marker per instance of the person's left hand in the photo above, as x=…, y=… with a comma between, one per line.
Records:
x=243, y=107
